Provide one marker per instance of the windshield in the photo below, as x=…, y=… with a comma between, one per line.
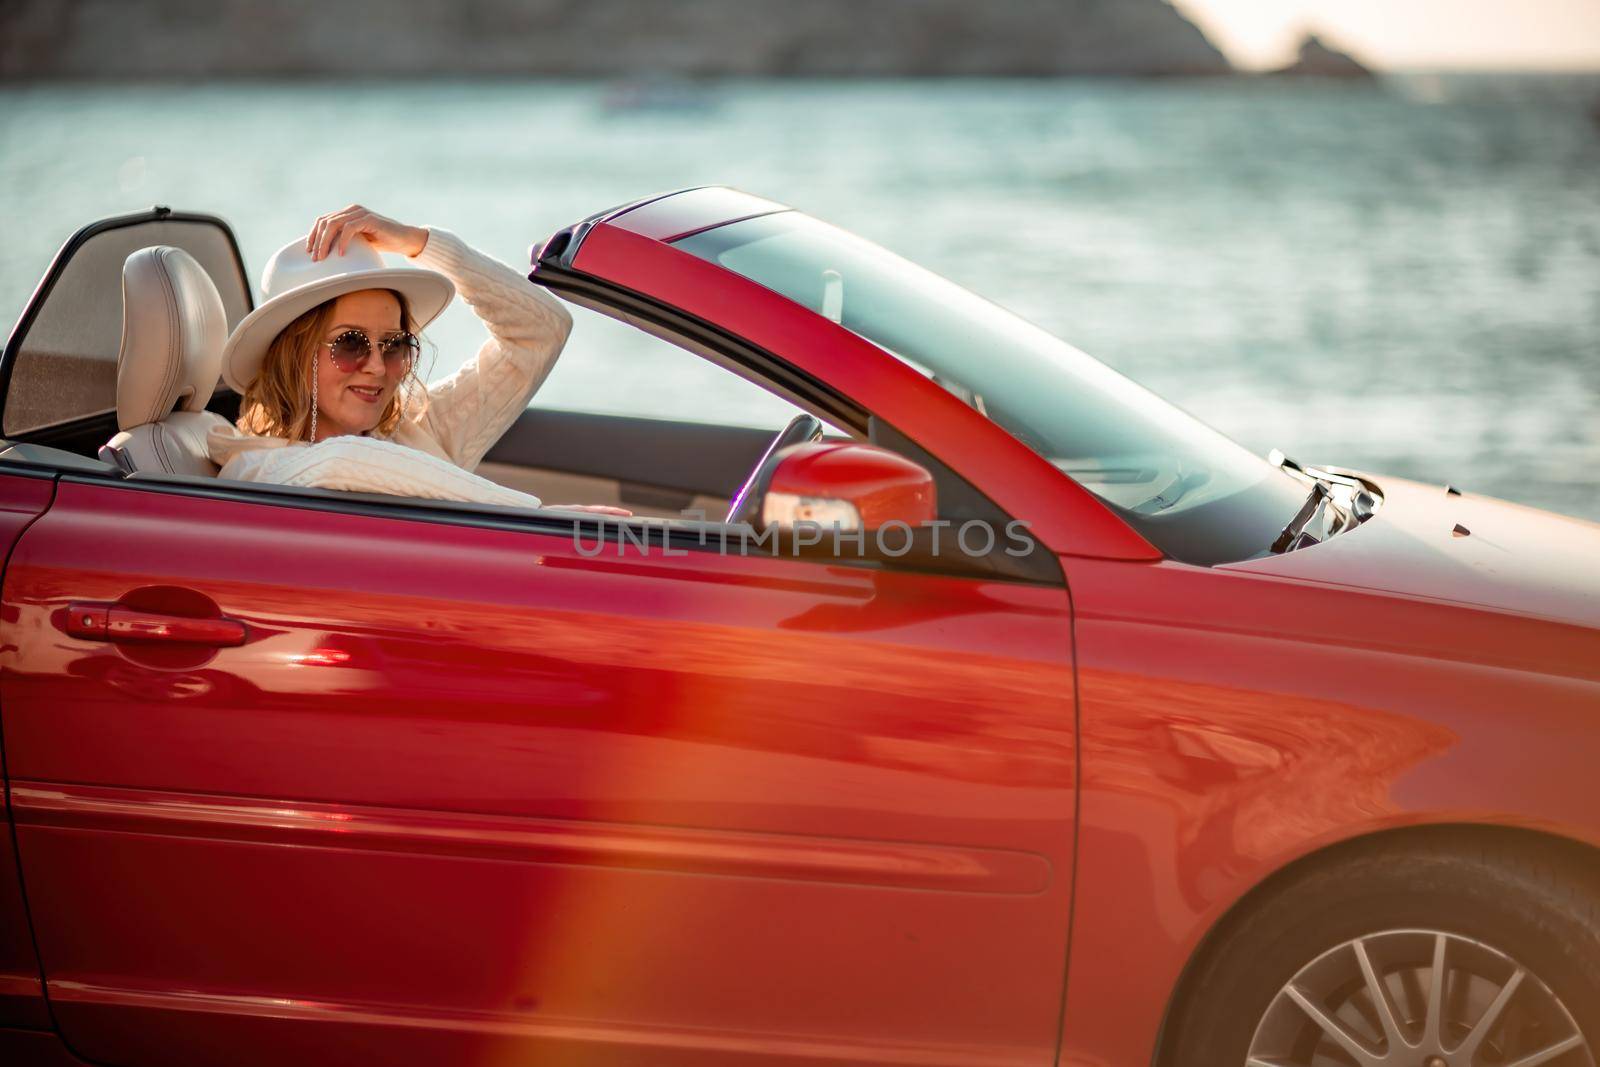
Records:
x=1190, y=491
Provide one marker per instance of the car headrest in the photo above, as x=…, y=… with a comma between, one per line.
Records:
x=173, y=329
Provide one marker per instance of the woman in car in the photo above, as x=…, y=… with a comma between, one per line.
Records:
x=327, y=365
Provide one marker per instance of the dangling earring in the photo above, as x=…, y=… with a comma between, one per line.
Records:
x=314, y=399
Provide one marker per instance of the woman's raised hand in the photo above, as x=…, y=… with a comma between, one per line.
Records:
x=333, y=233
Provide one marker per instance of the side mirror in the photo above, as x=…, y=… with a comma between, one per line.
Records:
x=848, y=486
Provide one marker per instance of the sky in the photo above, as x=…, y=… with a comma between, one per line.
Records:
x=1402, y=34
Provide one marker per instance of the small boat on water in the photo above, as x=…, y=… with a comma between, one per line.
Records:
x=658, y=94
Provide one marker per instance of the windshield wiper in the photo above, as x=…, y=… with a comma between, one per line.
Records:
x=1344, y=502
x=1290, y=538
x=1352, y=495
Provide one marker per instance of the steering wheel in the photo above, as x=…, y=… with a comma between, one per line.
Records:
x=802, y=427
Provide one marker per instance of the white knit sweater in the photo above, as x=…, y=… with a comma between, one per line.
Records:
x=439, y=440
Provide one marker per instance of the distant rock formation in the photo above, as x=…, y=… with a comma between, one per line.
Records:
x=1319, y=60
x=117, y=39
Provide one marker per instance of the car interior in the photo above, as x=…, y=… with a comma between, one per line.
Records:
x=117, y=363
x=114, y=370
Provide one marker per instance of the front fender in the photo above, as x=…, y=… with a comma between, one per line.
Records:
x=1233, y=723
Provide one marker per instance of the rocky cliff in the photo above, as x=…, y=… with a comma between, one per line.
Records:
x=1318, y=59
x=113, y=39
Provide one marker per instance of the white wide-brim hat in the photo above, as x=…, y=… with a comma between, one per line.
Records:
x=293, y=284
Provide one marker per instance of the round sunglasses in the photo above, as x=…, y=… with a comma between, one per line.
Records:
x=350, y=349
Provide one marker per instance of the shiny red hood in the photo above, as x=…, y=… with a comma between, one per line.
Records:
x=1512, y=558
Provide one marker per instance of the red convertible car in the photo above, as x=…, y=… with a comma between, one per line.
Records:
x=1097, y=740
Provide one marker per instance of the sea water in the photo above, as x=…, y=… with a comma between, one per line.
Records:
x=1402, y=277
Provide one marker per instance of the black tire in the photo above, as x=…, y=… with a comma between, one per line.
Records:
x=1538, y=905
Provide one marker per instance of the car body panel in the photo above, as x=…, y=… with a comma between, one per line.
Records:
x=632, y=808
x=1061, y=514
x=1464, y=548
x=36, y=1048
x=1233, y=722
x=23, y=498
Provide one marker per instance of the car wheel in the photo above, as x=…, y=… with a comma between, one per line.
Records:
x=1430, y=956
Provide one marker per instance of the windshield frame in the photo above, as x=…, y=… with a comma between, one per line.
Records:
x=1235, y=502
x=625, y=258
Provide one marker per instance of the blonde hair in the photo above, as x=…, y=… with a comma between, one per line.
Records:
x=277, y=403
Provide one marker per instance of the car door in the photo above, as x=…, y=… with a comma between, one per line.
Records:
x=58, y=373
x=299, y=778
x=24, y=495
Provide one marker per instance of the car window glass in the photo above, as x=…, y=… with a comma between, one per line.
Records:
x=631, y=419
x=64, y=353
x=614, y=368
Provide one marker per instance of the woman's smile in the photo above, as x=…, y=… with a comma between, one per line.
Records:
x=358, y=385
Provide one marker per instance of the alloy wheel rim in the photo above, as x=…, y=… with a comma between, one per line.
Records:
x=1417, y=998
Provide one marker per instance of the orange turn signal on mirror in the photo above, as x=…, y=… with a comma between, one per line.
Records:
x=860, y=486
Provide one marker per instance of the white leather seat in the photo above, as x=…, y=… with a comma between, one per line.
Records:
x=173, y=329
